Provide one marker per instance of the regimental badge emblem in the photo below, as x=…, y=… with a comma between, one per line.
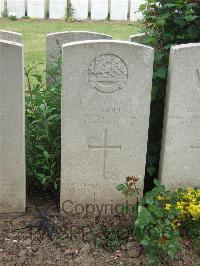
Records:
x=107, y=74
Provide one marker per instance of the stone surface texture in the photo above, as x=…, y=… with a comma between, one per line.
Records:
x=36, y=8
x=119, y=10
x=81, y=8
x=180, y=155
x=54, y=42
x=136, y=37
x=12, y=129
x=1, y=7
x=99, y=9
x=16, y=8
x=105, y=117
x=10, y=36
x=134, y=11
x=57, y=9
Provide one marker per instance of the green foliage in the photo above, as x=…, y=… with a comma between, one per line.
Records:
x=12, y=17
x=154, y=227
x=166, y=23
x=112, y=237
x=192, y=230
x=161, y=214
x=5, y=10
x=69, y=11
x=43, y=128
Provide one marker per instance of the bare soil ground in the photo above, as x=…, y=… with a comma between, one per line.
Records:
x=71, y=240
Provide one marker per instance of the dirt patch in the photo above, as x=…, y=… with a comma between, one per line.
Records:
x=72, y=240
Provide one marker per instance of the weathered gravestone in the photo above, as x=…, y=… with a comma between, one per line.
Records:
x=36, y=8
x=99, y=9
x=1, y=7
x=54, y=42
x=135, y=14
x=119, y=10
x=180, y=156
x=57, y=9
x=12, y=141
x=80, y=9
x=16, y=8
x=137, y=37
x=105, y=117
x=10, y=36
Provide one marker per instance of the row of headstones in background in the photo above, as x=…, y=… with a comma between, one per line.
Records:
x=12, y=125
x=35, y=8
x=104, y=120
x=119, y=9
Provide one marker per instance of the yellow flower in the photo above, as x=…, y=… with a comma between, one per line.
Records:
x=168, y=207
x=160, y=198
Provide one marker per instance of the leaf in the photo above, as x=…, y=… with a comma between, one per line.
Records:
x=151, y=170
x=193, y=32
x=145, y=242
x=161, y=72
x=144, y=216
x=157, y=182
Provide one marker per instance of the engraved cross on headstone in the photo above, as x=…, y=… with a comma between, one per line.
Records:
x=104, y=148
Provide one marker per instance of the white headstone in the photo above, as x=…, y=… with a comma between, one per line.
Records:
x=135, y=14
x=1, y=7
x=119, y=10
x=57, y=9
x=12, y=129
x=54, y=42
x=36, y=8
x=105, y=117
x=136, y=37
x=99, y=9
x=10, y=36
x=16, y=8
x=180, y=156
x=80, y=9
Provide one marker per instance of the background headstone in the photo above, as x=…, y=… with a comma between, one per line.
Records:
x=105, y=117
x=119, y=10
x=1, y=7
x=137, y=37
x=54, y=42
x=36, y=8
x=99, y=9
x=16, y=8
x=12, y=129
x=10, y=36
x=134, y=13
x=180, y=156
x=80, y=9
x=57, y=9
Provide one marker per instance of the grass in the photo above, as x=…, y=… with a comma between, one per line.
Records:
x=34, y=32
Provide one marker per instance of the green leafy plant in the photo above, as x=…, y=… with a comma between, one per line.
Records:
x=155, y=228
x=12, y=17
x=43, y=126
x=69, y=12
x=130, y=190
x=163, y=217
x=166, y=23
x=5, y=10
